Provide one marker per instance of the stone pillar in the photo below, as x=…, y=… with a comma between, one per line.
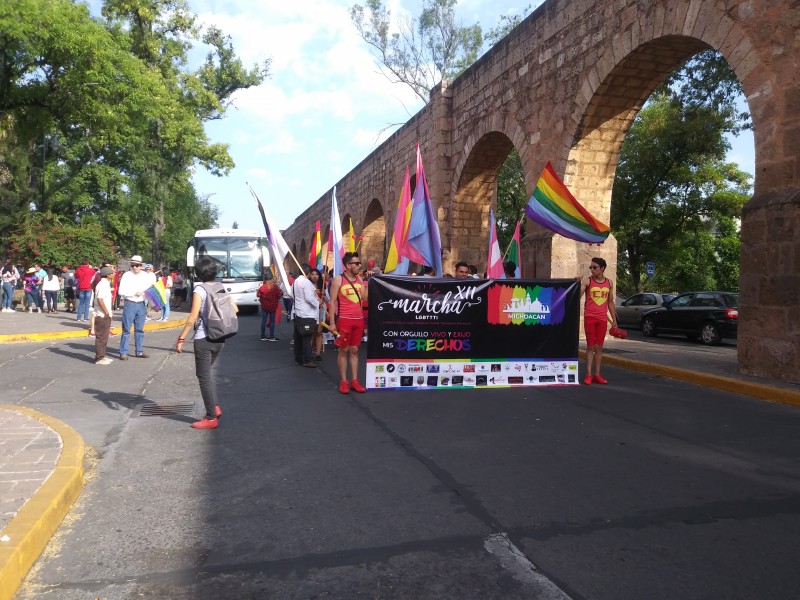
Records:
x=440, y=172
x=769, y=317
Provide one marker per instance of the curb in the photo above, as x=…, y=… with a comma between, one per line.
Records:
x=728, y=384
x=15, y=338
x=32, y=527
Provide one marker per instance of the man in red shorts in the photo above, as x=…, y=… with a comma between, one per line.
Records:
x=599, y=292
x=348, y=292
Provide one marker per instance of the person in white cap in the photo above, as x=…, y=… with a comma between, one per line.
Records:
x=132, y=286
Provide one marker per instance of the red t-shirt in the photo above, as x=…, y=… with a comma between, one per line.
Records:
x=84, y=275
x=349, y=300
x=597, y=295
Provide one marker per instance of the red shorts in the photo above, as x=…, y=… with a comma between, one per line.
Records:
x=595, y=331
x=350, y=332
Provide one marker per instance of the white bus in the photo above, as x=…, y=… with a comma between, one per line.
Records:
x=241, y=258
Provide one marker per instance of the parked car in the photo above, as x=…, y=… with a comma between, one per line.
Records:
x=709, y=316
x=630, y=311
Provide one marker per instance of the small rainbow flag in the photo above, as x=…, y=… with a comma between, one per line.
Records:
x=157, y=294
x=554, y=207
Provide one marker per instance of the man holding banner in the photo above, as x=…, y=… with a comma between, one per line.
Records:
x=348, y=293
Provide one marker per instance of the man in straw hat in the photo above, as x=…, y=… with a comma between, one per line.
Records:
x=132, y=286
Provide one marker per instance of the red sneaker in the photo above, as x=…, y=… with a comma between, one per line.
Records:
x=218, y=411
x=587, y=380
x=344, y=387
x=357, y=387
x=205, y=424
x=600, y=379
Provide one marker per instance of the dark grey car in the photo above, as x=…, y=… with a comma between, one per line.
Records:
x=709, y=316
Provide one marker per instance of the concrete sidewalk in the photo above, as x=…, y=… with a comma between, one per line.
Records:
x=41, y=458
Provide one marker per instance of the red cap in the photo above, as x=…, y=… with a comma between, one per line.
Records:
x=370, y=264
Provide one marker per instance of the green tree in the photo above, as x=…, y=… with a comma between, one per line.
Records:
x=161, y=33
x=421, y=52
x=675, y=200
x=102, y=122
x=46, y=239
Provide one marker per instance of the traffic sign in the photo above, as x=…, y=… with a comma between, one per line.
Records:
x=650, y=269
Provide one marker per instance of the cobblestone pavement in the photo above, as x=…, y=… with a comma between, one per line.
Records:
x=29, y=450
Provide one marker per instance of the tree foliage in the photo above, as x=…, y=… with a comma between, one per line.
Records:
x=102, y=119
x=422, y=51
x=45, y=239
x=675, y=200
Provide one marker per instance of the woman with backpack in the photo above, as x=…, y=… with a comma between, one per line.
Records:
x=206, y=352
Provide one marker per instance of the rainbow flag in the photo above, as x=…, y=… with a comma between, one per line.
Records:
x=157, y=294
x=554, y=207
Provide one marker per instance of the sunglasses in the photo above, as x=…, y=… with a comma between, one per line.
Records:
x=593, y=267
x=354, y=263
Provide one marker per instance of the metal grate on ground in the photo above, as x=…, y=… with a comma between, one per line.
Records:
x=152, y=409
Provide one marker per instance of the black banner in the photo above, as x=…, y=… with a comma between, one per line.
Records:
x=459, y=322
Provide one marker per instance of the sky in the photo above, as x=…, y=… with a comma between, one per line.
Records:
x=325, y=107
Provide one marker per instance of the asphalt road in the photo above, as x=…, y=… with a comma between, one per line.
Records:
x=647, y=488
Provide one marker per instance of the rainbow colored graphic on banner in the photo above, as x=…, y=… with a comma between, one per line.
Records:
x=554, y=207
x=517, y=305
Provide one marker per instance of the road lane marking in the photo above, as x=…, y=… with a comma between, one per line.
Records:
x=515, y=562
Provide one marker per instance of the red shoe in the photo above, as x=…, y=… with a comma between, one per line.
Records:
x=205, y=424
x=357, y=387
x=218, y=411
x=344, y=387
x=587, y=380
x=600, y=379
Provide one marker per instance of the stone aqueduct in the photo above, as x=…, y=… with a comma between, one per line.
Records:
x=564, y=86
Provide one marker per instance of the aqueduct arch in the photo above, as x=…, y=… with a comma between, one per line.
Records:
x=374, y=245
x=475, y=195
x=563, y=87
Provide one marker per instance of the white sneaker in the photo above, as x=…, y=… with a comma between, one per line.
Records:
x=104, y=361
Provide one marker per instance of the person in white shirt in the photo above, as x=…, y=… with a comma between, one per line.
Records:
x=132, y=286
x=50, y=287
x=305, y=316
x=102, y=316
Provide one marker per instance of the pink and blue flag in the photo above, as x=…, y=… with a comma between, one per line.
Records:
x=424, y=244
x=395, y=262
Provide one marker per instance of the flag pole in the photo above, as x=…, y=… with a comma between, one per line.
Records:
x=294, y=258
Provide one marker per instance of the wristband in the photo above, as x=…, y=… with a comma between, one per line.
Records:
x=181, y=340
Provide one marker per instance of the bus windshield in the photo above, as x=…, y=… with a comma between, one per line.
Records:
x=238, y=258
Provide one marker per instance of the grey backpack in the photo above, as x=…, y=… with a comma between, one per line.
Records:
x=219, y=315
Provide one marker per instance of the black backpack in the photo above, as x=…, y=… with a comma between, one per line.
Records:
x=219, y=314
